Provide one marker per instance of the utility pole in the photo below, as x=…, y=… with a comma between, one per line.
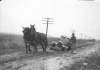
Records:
x=47, y=20
x=73, y=31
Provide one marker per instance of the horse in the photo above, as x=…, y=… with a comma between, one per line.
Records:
x=26, y=37
x=38, y=38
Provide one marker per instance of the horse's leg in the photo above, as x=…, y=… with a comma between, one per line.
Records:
x=26, y=47
x=43, y=47
x=35, y=47
x=29, y=47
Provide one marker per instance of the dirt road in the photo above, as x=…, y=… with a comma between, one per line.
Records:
x=45, y=61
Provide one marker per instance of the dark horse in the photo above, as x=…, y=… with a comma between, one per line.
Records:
x=38, y=38
x=26, y=37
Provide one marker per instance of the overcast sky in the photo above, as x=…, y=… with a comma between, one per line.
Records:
x=83, y=16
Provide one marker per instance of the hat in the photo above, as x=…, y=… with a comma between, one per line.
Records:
x=73, y=34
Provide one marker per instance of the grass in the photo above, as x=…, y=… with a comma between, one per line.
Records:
x=10, y=42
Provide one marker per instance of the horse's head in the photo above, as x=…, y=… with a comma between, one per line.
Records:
x=25, y=30
x=32, y=26
x=32, y=30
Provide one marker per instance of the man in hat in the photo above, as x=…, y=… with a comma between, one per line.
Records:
x=73, y=42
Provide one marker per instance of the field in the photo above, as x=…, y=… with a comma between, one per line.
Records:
x=13, y=56
x=12, y=42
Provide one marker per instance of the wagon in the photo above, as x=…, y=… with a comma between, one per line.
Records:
x=66, y=44
x=64, y=40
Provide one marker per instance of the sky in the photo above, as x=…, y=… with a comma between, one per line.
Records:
x=82, y=16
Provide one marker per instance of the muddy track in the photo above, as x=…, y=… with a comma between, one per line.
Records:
x=50, y=60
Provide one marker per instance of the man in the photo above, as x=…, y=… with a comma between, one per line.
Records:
x=73, y=42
